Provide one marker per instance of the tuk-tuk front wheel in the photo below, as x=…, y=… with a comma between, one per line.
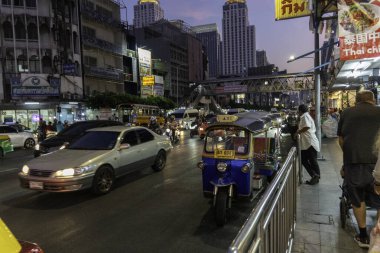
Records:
x=221, y=207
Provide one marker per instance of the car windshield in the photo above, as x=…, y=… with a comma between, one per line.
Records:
x=177, y=115
x=231, y=138
x=96, y=140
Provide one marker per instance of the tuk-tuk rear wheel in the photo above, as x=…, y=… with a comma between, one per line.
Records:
x=221, y=207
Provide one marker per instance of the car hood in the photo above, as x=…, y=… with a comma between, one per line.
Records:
x=64, y=158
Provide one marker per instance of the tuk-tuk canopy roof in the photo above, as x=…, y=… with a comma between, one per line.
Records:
x=252, y=121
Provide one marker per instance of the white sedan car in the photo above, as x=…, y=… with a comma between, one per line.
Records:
x=18, y=138
x=95, y=159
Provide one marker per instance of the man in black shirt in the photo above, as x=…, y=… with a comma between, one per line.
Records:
x=357, y=129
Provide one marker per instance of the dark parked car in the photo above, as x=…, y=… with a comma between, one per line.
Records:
x=69, y=134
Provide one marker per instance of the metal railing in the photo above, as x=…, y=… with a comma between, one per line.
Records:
x=270, y=227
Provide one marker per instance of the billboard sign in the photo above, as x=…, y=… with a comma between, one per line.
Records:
x=148, y=80
x=359, y=29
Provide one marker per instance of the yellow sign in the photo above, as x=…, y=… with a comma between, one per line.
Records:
x=8, y=242
x=148, y=80
x=226, y=118
x=286, y=9
x=227, y=154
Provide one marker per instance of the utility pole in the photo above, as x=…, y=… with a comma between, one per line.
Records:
x=317, y=72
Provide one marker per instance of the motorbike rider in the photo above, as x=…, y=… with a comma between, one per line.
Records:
x=173, y=126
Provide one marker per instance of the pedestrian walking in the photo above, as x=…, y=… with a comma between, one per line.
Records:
x=309, y=144
x=357, y=129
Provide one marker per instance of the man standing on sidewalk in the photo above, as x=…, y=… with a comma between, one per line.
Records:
x=357, y=130
x=309, y=144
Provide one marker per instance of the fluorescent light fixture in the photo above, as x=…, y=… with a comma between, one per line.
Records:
x=31, y=103
x=73, y=103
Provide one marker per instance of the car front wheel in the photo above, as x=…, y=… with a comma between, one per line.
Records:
x=29, y=143
x=103, y=180
x=160, y=161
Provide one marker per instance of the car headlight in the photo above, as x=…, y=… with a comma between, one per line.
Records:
x=201, y=129
x=25, y=169
x=37, y=147
x=74, y=171
x=222, y=167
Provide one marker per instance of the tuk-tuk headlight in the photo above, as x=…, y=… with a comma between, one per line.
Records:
x=201, y=165
x=222, y=167
x=246, y=168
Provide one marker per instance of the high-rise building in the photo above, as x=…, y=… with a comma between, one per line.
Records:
x=261, y=58
x=210, y=38
x=147, y=12
x=239, y=39
x=174, y=44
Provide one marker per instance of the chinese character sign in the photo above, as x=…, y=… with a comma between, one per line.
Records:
x=286, y=9
x=359, y=29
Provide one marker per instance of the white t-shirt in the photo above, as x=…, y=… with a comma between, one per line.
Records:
x=309, y=137
x=376, y=171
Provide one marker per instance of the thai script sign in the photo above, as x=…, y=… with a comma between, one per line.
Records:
x=286, y=9
x=35, y=85
x=359, y=29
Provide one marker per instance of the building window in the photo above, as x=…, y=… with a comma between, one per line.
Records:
x=6, y=2
x=89, y=31
x=22, y=63
x=46, y=64
x=20, y=30
x=90, y=61
x=32, y=32
x=34, y=64
x=30, y=3
x=18, y=2
x=8, y=32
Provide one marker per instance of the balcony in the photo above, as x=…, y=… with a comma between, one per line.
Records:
x=113, y=74
x=94, y=15
x=101, y=44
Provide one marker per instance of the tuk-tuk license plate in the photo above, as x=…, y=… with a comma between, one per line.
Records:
x=36, y=185
x=228, y=154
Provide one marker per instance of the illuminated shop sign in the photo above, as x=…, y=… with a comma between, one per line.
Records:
x=35, y=85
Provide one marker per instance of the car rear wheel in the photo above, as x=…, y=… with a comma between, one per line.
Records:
x=160, y=161
x=29, y=143
x=103, y=180
x=1, y=153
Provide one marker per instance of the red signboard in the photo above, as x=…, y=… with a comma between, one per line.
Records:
x=359, y=29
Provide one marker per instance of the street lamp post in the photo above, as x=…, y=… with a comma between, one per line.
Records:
x=177, y=86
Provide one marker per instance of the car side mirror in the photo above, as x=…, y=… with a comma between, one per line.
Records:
x=124, y=146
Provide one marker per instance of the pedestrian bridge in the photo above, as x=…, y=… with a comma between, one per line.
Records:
x=261, y=90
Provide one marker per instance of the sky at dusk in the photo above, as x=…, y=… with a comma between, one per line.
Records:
x=279, y=39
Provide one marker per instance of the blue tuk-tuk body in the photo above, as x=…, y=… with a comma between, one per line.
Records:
x=238, y=150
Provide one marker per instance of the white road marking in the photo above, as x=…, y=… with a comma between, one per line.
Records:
x=9, y=170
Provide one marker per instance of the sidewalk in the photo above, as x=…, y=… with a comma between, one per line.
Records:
x=318, y=228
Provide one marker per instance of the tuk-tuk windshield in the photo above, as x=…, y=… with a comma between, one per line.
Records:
x=227, y=138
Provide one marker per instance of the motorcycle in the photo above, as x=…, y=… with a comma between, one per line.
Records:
x=169, y=133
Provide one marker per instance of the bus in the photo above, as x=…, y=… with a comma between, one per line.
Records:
x=139, y=114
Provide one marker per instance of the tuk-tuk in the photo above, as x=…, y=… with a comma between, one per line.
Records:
x=240, y=154
x=5, y=145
